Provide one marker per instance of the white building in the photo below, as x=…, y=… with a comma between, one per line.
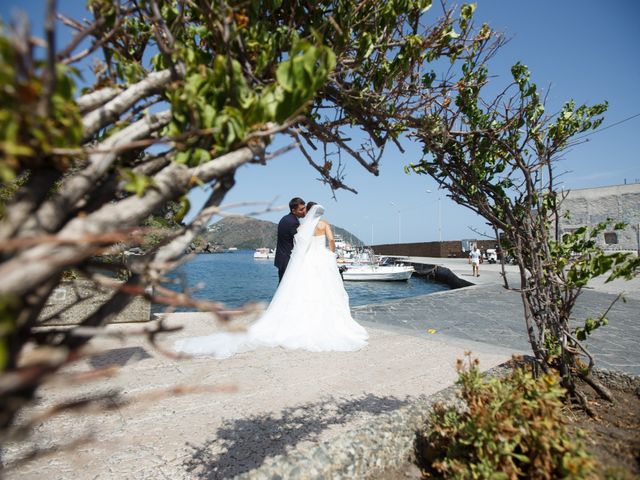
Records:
x=590, y=206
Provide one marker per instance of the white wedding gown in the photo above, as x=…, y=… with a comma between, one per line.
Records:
x=310, y=309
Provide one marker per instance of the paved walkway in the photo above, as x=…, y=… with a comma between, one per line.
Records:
x=488, y=313
x=285, y=399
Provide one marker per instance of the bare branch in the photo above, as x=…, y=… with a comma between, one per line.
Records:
x=79, y=37
x=44, y=105
x=95, y=45
x=176, y=247
x=97, y=119
x=95, y=99
x=53, y=213
x=27, y=200
x=32, y=267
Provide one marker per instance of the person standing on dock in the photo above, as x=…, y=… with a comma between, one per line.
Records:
x=474, y=260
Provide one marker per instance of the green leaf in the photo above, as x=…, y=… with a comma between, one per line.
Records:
x=208, y=116
x=185, y=206
x=182, y=158
x=285, y=75
x=425, y=5
x=466, y=11
x=14, y=149
x=136, y=183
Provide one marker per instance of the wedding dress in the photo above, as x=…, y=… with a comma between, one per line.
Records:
x=310, y=309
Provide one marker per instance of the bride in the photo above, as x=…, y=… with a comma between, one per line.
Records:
x=310, y=309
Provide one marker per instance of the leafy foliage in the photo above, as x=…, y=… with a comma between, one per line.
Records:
x=507, y=428
x=497, y=158
x=578, y=258
x=31, y=128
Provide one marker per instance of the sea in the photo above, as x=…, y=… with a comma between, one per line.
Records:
x=237, y=278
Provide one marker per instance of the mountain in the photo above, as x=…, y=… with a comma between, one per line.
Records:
x=251, y=233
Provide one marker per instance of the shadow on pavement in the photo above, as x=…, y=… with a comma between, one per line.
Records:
x=243, y=444
x=118, y=356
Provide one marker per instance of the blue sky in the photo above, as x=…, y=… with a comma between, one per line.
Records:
x=581, y=50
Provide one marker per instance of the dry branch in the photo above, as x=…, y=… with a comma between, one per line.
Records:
x=109, y=112
x=30, y=268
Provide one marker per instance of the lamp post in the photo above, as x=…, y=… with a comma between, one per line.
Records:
x=439, y=218
x=367, y=218
x=399, y=222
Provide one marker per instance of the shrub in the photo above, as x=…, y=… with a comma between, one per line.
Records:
x=507, y=429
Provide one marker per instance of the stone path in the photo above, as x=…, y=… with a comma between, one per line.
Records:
x=490, y=314
x=290, y=400
x=285, y=400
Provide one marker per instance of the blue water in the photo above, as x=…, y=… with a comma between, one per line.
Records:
x=238, y=278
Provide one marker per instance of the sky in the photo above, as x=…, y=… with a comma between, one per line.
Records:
x=585, y=50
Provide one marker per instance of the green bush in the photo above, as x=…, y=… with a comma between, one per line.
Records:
x=508, y=429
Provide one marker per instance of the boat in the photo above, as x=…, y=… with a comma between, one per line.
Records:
x=369, y=267
x=232, y=249
x=345, y=252
x=264, y=253
x=378, y=273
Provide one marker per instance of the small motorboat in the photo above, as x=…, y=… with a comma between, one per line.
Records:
x=378, y=272
x=264, y=253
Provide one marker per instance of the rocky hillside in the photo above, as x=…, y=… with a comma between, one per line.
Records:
x=251, y=233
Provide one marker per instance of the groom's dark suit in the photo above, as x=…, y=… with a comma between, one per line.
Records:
x=287, y=228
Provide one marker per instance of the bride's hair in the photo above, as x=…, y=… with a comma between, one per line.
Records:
x=310, y=204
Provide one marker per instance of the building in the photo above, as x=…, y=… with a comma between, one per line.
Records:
x=590, y=206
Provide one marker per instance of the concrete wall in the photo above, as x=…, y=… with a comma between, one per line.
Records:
x=72, y=301
x=447, y=249
x=589, y=206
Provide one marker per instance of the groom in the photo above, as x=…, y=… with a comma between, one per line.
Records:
x=287, y=228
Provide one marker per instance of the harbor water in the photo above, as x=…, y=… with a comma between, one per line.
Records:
x=237, y=278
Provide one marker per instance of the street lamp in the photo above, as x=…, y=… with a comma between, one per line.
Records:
x=399, y=221
x=439, y=218
x=367, y=218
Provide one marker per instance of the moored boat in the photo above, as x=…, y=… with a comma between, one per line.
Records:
x=264, y=253
x=378, y=273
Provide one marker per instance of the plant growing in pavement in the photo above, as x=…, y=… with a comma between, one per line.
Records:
x=511, y=427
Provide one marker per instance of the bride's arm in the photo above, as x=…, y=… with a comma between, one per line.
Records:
x=329, y=235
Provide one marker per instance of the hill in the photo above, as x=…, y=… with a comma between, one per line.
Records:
x=251, y=233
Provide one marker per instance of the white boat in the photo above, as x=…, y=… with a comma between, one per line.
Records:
x=264, y=253
x=378, y=272
x=232, y=249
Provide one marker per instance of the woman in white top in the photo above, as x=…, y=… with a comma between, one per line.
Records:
x=475, y=259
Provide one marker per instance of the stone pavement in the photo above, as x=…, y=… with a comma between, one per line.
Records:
x=487, y=312
x=285, y=400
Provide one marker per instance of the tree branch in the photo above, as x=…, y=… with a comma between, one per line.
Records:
x=54, y=213
x=97, y=119
x=23, y=272
x=174, y=249
x=93, y=100
x=49, y=79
